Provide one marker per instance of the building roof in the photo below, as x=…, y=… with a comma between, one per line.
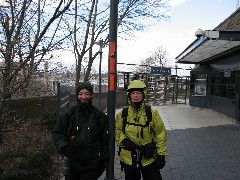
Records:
x=211, y=44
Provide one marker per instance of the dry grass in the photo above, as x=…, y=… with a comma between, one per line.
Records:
x=28, y=138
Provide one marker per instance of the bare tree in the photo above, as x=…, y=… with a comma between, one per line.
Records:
x=91, y=23
x=95, y=24
x=157, y=58
x=29, y=32
x=139, y=15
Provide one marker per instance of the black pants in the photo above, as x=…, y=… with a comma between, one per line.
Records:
x=92, y=171
x=77, y=175
x=149, y=172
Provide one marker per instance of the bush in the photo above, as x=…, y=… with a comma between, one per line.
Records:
x=28, y=161
x=49, y=119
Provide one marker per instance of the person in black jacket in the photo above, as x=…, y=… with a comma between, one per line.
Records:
x=81, y=134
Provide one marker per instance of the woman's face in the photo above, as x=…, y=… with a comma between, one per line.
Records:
x=84, y=95
x=136, y=96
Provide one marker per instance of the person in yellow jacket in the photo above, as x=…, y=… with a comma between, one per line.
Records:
x=142, y=144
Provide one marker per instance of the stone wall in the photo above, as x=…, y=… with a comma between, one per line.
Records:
x=35, y=107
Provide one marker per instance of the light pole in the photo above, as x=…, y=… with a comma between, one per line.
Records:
x=83, y=71
x=100, y=43
x=112, y=79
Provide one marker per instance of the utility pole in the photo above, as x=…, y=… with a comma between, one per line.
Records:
x=112, y=80
x=100, y=43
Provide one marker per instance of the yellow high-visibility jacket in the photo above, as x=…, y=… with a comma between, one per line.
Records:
x=154, y=132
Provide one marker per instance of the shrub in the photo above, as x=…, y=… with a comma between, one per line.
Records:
x=29, y=162
x=49, y=119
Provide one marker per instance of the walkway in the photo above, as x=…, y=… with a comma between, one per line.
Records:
x=202, y=145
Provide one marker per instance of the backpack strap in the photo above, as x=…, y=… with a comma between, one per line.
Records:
x=148, y=111
x=124, y=121
x=125, y=115
x=149, y=117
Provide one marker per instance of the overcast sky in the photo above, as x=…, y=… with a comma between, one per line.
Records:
x=175, y=35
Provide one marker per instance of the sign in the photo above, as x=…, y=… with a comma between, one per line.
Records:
x=161, y=71
x=148, y=69
x=64, y=94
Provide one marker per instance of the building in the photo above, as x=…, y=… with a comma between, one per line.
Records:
x=215, y=80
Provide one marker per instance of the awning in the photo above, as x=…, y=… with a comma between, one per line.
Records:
x=209, y=45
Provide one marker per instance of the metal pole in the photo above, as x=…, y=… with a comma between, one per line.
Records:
x=100, y=73
x=112, y=79
x=58, y=99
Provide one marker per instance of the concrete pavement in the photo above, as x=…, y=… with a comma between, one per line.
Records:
x=202, y=145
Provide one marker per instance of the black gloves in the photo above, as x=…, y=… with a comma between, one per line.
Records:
x=66, y=150
x=69, y=152
x=148, y=150
x=160, y=161
x=129, y=145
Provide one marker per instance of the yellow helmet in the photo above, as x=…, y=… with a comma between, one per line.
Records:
x=137, y=84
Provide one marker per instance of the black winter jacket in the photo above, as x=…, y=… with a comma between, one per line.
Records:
x=86, y=131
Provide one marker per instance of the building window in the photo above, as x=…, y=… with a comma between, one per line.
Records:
x=198, y=84
x=224, y=84
x=217, y=84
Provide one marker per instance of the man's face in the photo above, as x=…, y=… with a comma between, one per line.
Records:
x=136, y=96
x=84, y=95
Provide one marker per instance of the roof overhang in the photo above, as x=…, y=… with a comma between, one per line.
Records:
x=209, y=45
